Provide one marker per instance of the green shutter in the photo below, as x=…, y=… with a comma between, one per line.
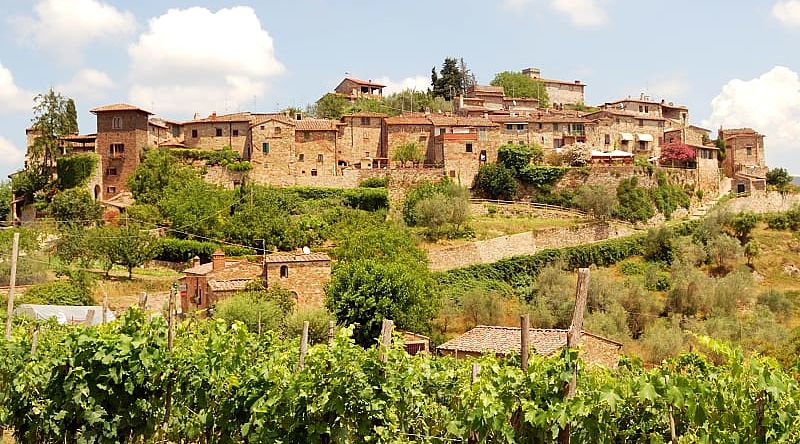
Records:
x=265, y=147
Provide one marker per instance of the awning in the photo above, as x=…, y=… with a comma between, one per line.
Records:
x=645, y=137
x=626, y=136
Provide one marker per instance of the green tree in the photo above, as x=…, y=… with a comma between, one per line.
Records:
x=599, y=201
x=450, y=81
x=53, y=117
x=634, y=202
x=742, y=224
x=5, y=200
x=517, y=84
x=318, y=321
x=75, y=207
x=409, y=152
x=723, y=251
x=514, y=157
x=330, y=106
x=129, y=245
x=366, y=292
x=384, y=242
x=751, y=251
x=495, y=182
x=442, y=214
x=779, y=178
x=159, y=171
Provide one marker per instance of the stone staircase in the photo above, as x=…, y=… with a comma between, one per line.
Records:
x=702, y=210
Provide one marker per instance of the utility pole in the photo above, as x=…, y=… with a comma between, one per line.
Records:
x=12, y=284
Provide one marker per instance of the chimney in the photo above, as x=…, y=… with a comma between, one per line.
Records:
x=213, y=116
x=196, y=116
x=195, y=261
x=218, y=260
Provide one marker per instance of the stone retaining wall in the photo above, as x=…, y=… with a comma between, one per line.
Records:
x=763, y=202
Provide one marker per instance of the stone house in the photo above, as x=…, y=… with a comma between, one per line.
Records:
x=560, y=92
x=217, y=132
x=503, y=341
x=408, y=128
x=464, y=144
x=550, y=129
x=122, y=135
x=315, y=145
x=272, y=154
x=305, y=275
x=628, y=131
x=360, y=137
x=744, y=159
x=354, y=88
x=204, y=284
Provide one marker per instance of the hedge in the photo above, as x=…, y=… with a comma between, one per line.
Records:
x=183, y=250
x=369, y=199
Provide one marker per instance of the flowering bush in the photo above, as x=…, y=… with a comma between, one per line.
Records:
x=677, y=152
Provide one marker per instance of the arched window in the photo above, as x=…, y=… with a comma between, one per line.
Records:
x=284, y=271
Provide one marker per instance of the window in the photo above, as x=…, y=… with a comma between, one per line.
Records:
x=520, y=126
x=469, y=147
x=442, y=131
x=111, y=171
x=262, y=127
x=284, y=271
x=306, y=135
x=647, y=109
x=641, y=109
x=116, y=123
x=301, y=157
x=194, y=134
x=642, y=145
x=320, y=158
x=482, y=156
x=540, y=125
x=482, y=134
x=607, y=139
x=452, y=173
x=749, y=149
x=423, y=138
x=265, y=147
x=111, y=190
x=641, y=122
x=117, y=149
x=510, y=142
x=235, y=133
x=558, y=143
x=276, y=131
x=555, y=127
x=313, y=172
x=521, y=142
x=365, y=120
x=219, y=132
x=510, y=126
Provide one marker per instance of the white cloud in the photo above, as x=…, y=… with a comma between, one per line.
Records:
x=88, y=84
x=65, y=27
x=769, y=104
x=11, y=155
x=418, y=83
x=582, y=13
x=194, y=60
x=787, y=12
x=12, y=97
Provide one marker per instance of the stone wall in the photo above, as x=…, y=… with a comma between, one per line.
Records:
x=763, y=202
x=276, y=166
x=234, y=135
x=318, y=151
x=493, y=250
x=359, y=138
x=401, y=179
x=132, y=135
x=222, y=176
x=305, y=279
x=564, y=93
x=611, y=175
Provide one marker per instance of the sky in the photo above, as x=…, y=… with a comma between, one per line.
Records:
x=732, y=62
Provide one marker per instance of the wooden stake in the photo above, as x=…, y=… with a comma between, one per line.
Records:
x=303, y=345
x=170, y=334
x=259, y=323
x=386, y=338
x=331, y=326
x=476, y=369
x=34, y=342
x=12, y=284
x=524, y=330
x=104, y=317
x=574, y=339
x=143, y=301
x=89, y=318
x=673, y=436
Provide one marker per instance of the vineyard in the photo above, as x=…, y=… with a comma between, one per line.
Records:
x=119, y=382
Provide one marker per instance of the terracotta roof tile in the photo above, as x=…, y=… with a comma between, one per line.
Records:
x=117, y=107
x=364, y=82
x=365, y=114
x=317, y=125
x=505, y=340
x=408, y=120
x=460, y=121
x=291, y=257
x=273, y=117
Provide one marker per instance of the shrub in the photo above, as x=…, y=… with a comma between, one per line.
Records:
x=375, y=182
x=514, y=157
x=658, y=245
x=75, y=206
x=183, y=250
x=742, y=224
x=662, y=339
x=408, y=153
x=777, y=302
x=634, y=202
x=251, y=311
x=599, y=201
x=482, y=308
x=542, y=178
x=64, y=292
x=668, y=197
x=240, y=166
x=318, y=322
x=495, y=182
x=633, y=267
x=778, y=221
x=367, y=199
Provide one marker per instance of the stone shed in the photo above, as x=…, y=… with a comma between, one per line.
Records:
x=304, y=274
x=594, y=349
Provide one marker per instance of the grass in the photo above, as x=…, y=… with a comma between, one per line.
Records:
x=778, y=249
x=491, y=226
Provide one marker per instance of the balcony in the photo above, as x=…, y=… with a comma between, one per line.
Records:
x=575, y=133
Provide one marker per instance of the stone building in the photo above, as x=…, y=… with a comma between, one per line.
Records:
x=638, y=133
x=408, y=128
x=273, y=157
x=360, y=137
x=122, y=135
x=315, y=145
x=550, y=129
x=215, y=133
x=560, y=92
x=503, y=341
x=354, y=88
x=204, y=284
x=464, y=144
x=305, y=275
x=744, y=158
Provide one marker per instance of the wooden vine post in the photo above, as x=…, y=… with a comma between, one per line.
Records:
x=303, y=346
x=170, y=339
x=386, y=338
x=12, y=283
x=143, y=301
x=574, y=340
x=524, y=337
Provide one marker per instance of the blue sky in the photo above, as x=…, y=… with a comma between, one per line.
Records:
x=733, y=62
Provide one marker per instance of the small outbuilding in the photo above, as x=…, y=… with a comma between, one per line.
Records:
x=65, y=314
x=502, y=341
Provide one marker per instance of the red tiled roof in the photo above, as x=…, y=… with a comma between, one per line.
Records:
x=317, y=125
x=460, y=121
x=505, y=340
x=239, y=117
x=291, y=257
x=364, y=82
x=118, y=107
x=80, y=137
x=562, y=82
x=273, y=117
x=486, y=89
x=207, y=267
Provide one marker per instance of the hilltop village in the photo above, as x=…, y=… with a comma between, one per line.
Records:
x=292, y=148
